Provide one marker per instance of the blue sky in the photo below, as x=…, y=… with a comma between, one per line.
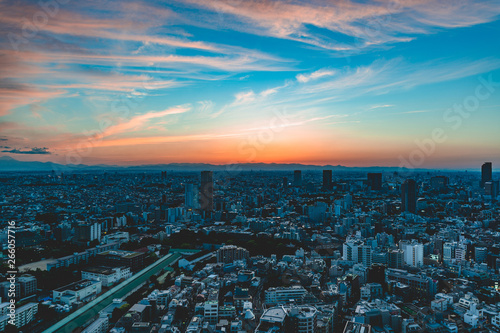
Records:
x=351, y=83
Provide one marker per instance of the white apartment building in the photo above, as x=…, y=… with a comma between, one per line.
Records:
x=355, y=250
x=24, y=315
x=414, y=254
x=283, y=295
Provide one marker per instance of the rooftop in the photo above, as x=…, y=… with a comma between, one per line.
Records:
x=76, y=286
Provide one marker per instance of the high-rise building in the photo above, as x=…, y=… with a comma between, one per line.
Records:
x=409, y=196
x=486, y=173
x=327, y=179
x=189, y=196
x=480, y=254
x=395, y=258
x=491, y=188
x=357, y=251
x=439, y=183
x=87, y=232
x=285, y=182
x=449, y=250
x=375, y=181
x=229, y=253
x=414, y=254
x=207, y=191
x=297, y=178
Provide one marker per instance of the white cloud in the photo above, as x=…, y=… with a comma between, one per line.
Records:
x=303, y=78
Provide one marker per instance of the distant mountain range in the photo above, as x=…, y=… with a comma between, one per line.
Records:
x=9, y=164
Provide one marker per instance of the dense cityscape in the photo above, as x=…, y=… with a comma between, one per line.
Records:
x=252, y=251
x=250, y=166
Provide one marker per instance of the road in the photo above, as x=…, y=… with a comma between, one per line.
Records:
x=89, y=311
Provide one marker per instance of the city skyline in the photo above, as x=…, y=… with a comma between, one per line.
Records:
x=409, y=83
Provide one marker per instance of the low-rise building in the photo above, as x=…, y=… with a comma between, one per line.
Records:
x=107, y=275
x=80, y=291
x=100, y=325
x=283, y=295
x=120, y=258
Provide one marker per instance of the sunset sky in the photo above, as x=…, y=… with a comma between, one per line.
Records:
x=319, y=82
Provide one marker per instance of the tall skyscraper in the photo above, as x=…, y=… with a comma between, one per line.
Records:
x=409, y=196
x=285, y=182
x=189, y=195
x=492, y=188
x=327, y=179
x=297, y=178
x=486, y=173
x=207, y=191
x=375, y=181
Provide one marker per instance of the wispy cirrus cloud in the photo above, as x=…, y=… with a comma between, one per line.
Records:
x=119, y=38
x=252, y=61
x=384, y=76
x=366, y=24
x=303, y=78
x=378, y=78
x=14, y=95
x=137, y=122
x=114, y=82
x=123, y=22
x=373, y=107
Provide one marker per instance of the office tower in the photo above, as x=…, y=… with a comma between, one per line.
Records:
x=285, y=182
x=486, y=173
x=439, y=183
x=207, y=191
x=491, y=188
x=189, y=195
x=409, y=196
x=297, y=178
x=327, y=179
x=396, y=258
x=375, y=181
x=480, y=254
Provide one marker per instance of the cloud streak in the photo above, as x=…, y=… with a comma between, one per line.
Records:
x=33, y=151
x=136, y=123
x=369, y=24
